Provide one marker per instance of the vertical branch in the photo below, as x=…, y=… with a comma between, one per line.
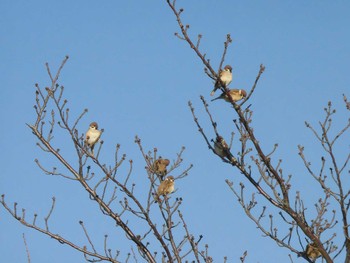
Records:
x=49, y=214
x=27, y=250
x=190, y=238
x=53, y=87
x=187, y=38
x=226, y=43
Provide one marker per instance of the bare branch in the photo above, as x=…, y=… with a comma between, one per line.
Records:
x=27, y=250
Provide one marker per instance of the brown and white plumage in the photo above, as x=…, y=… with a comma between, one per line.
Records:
x=235, y=94
x=92, y=136
x=159, y=166
x=166, y=187
x=221, y=148
x=225, y=76
x=312, y=252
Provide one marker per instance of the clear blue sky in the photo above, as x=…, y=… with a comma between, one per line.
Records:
x=135, y=77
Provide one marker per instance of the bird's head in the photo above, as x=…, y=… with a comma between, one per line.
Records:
x=94, y=125
x=170, y=178
x=228, y=68
x=219, y=139
x=165, y=161
x=243, y=93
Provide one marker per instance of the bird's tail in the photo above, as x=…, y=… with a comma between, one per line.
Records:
x=157, y=198
x=220, y=97
x=216, y=87
x=92, y=150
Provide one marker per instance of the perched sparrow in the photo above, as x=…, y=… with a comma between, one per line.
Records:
x=312, y=252
x=221, y=149
x=159, y=166
x=166, y=187
x=92, y=136
x=235, y=94
x=225, y=76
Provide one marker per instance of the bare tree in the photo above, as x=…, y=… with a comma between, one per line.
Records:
x=161, y=216
x=166, y=236
x=302, y=235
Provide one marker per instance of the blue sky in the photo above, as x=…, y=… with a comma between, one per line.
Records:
x=136, y=78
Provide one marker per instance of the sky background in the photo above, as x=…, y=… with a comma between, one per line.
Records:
x=136, y=78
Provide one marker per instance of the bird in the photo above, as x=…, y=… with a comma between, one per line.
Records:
x=235, y=94
x=221, y=148
x=312, y=251
x=225, y=76
x=166, y=187
x=92, y=136
x=160, y=165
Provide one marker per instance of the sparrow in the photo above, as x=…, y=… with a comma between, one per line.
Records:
x=159, y=166
x=235, y=94
x=166, y=187
x=312, y=252
x=221, y=148
x=225, y=76
x=92, y=136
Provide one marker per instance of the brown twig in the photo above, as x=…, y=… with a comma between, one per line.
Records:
x=27, y=250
